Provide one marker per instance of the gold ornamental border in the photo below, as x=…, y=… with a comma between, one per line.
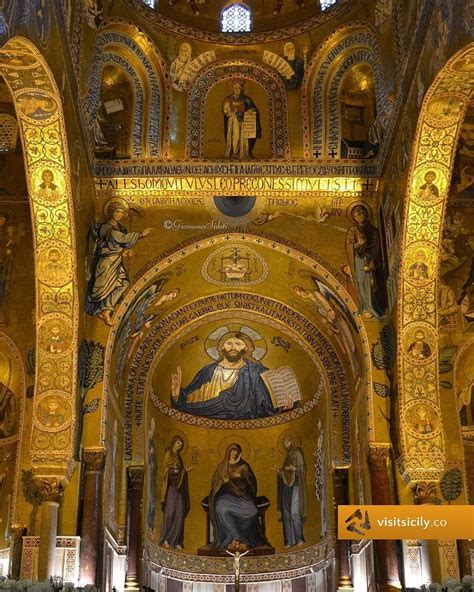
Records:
x=422, y=440
x=42, y=129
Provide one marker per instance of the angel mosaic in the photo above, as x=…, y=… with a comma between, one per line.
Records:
x=108, y=279
x=335, y=316
x=139, y=317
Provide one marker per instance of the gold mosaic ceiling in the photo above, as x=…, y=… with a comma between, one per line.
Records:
x=267, y=15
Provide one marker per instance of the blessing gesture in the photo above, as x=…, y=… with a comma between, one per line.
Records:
x=176, y=378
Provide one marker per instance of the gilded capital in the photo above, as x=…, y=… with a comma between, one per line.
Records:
x=378, y=456
x=136, y=476
x=341, y=475
x=424, y=492
x=50, y=488
x=17, y=531
x=121, y=535
x=93, y=459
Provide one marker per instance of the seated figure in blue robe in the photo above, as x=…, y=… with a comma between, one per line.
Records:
x=233, y=503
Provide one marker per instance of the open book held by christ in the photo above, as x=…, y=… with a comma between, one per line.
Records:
x=282, y=384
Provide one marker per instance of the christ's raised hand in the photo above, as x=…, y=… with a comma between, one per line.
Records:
x=176, y=378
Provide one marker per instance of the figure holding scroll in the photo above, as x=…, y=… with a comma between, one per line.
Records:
x=296, y=64
x=241, y=124
x=230, y=388
x=180, y=66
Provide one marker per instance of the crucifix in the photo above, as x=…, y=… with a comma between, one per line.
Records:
x=237, y=556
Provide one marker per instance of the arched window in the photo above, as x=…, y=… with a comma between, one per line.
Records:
x=150, y=3
x=327, y=3
x=236, y=18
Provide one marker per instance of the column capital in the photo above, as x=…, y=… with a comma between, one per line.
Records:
x=424, y=492
x=50, y=488
x=17, y=531
x=341, y=475
x=93, y=459
x=378, y=456
x=136, y=475
x=121, y=536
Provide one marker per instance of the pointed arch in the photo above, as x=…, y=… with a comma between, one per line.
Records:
x=262, y=75
x=124, y=45
x=439, y=125
x=42, y=129
x=346, y=47
x=123, y=406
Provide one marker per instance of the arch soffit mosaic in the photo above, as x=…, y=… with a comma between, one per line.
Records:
x=137, y=55
x=20, y=395
x=179, y=254
x=262, y=75
x=349, y=45
x=437, y=133
x=464, y=359
x=138, y=142
x=42, y=129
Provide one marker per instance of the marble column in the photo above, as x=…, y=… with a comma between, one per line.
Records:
x=385, y=551
x=464, y=547
x=93, y=460
x=51, y=491
x=464, y=557
x=341, y=494
x=134, y=522
x=17, y=532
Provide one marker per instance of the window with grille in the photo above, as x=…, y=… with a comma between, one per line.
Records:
x=8, y=132
x=327, y=3
x=236, y=19
x=149, y=3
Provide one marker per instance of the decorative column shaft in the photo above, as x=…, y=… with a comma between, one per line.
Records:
x=134, y=521
x=93, y=463
x=386, y=551
x=16, y=537
x=51, y=491
x=341, y=494
x=464, y=557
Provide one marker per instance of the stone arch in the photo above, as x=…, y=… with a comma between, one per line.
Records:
x=117, y=43
x=343, y=49
x=136, y=138
x=17, y=438
x=464, y=357
x=442, y=114
x=243, y=69
x=161, y=266
x=40, y=116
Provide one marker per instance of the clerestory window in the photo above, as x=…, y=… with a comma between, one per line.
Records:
x=327, y=3
x=236, y=18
